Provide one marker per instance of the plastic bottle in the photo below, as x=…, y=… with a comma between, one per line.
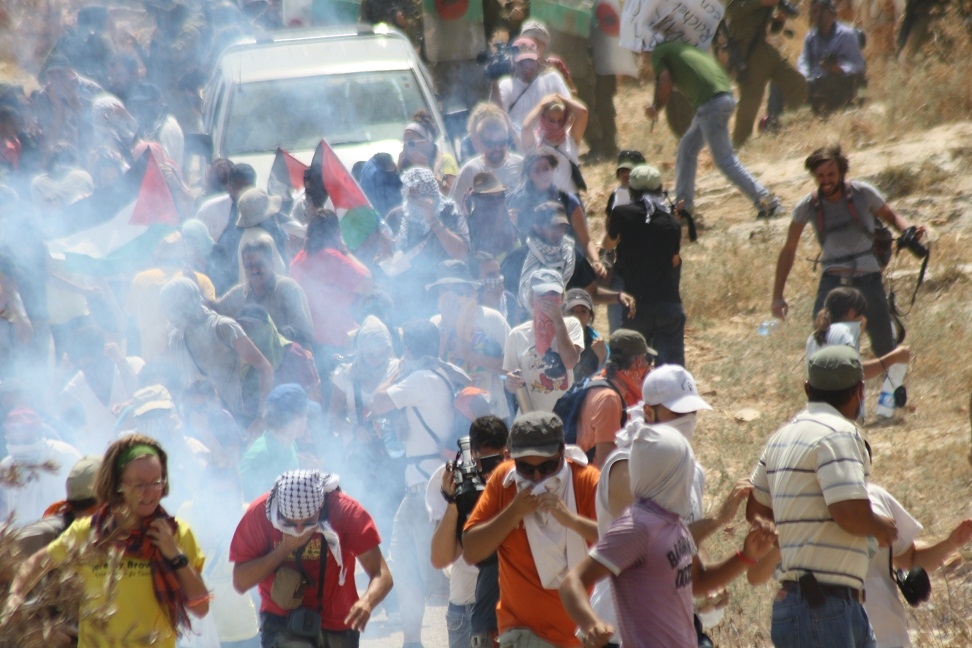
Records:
x=389, y=436
x=894, y=379
x=768, y=326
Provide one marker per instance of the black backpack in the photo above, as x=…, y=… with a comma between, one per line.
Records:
x=568, y=406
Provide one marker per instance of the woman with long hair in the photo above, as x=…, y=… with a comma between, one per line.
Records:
x=558, y=123
x=841, y=321
x=139, y=565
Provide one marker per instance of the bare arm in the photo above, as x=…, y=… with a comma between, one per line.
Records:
x=754, y=509
x=759, y=541
x=253, y=572
x=858, y=519
x=29, y=574
x=582, y=526
x=601, y=452
x=620, y=496
x=702, y=529
x=445, y=545
x=379, y=584
x=931, y=557
x=252, y=356
x=763, y=570
x=784, y=264
x=484, y=539
x=663, y=92
x=896, y=221
x=577, y=604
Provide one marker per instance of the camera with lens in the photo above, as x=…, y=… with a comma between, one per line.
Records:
x=497, y=61
x=909, y=241
x=469, y=481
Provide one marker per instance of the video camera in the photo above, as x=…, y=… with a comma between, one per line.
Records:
x=469, y=481
x=497, y=61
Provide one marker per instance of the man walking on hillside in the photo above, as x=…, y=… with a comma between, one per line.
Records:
x=811, y=480
x=845, y=214
x=700, y=78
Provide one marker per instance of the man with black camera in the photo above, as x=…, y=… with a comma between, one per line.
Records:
x=755, y=62
x=306, y=602
x=849, y=218
x=453, y=492
x=811, y=480
x=831, y=59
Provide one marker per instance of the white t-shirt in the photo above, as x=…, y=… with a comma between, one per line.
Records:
x=429, y=393
x=489, y=338
x=546, y=377
x=883, y=604
x=462, y=575
x=214, y=214
x=509, y=173
x=523, y=97
x=839, y=333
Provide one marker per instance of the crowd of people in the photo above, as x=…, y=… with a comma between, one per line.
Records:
x=294, y=381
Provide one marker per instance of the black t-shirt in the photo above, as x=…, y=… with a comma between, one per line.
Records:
x=646, y=249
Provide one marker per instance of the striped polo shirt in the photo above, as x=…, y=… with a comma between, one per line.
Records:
x=815, y=460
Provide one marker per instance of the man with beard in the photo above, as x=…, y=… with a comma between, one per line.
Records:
x=541, y=353
x=845, y=214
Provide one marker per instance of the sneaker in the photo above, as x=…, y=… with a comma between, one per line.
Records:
x=769, y=207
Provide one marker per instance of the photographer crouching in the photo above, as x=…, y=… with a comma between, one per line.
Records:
x=453, y=491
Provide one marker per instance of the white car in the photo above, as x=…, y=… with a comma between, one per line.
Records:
x=356, y=86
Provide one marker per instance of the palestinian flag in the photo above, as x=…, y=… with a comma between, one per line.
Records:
x=286, y=176
x=449, y=10
x=360, y=219
x=572, y=17
x=115, y=229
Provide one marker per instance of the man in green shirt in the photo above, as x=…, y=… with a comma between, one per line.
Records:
x=275, y=451
x=703, y=81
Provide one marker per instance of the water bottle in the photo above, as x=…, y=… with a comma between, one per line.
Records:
x=389, y=436
x=768, y=326
x=893, y=380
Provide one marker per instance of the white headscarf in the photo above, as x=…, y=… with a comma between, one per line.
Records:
x=298, y=495
x=662, y=467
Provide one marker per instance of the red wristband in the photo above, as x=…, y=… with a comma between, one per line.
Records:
x=749, y=561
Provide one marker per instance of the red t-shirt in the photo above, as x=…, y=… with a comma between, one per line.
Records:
x=330, y=279
x=255, y=537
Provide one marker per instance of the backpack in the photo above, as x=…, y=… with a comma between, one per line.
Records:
x=569, y=405
x=882, y=238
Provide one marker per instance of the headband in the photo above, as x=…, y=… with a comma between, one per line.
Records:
x=133, y=453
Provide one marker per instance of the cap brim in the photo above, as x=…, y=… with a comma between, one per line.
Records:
x=570, y=303
x=547, y=287
x=541, y=451
x=686, y=404
x=450, y=281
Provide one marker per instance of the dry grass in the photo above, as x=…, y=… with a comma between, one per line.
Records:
x=920, y=456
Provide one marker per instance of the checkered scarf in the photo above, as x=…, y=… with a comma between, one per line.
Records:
x=137, y=544
x=299, y=494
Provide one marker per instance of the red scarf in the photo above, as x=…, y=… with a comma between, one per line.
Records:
x=137, y=544
x=554, y=133
x=543, y=326
x=629, y=388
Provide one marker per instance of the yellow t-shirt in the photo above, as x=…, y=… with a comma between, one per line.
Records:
x=138, y=619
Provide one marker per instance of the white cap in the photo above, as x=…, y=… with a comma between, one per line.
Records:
x=673, y=387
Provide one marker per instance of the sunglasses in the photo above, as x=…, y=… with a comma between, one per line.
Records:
x=495, y=143
x=489, y=463
x=546, y=468
x=492, y=283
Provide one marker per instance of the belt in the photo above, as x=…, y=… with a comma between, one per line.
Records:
x=833, y=591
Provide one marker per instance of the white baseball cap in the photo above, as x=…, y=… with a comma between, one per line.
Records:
x=673, y=387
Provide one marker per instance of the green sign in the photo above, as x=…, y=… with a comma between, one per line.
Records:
x=569, y=16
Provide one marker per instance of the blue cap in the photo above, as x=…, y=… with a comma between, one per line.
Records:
x=290, y=398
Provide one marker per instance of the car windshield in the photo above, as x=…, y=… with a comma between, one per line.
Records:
x=295, y=114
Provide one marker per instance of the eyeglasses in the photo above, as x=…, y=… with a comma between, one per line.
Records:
x=545, y=468
x=415, y=143
x=492, y=283
x=157, y=485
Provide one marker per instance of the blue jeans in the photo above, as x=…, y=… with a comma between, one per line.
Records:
x=274, y=634
x=459, y=624
x=878, y=312
x=663, y=326
x=839, y=623
x=711, y=127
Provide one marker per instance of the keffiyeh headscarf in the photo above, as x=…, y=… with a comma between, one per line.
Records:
x=421, y=181
x=550, y=131
x=298, y=495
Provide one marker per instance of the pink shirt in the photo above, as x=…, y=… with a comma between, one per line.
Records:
x=649, y=552
x=331, y=281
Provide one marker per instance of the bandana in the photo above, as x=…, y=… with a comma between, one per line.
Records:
x=630, y=389
x=543, y=326
x=662, y=468
x=552, y=132
x=542, y=255
x=414, y=225
x=299, y=494
x=137, y=544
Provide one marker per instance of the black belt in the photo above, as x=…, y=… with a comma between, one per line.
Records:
x=835, y=591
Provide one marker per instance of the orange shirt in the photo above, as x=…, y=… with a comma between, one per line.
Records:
x=599, y=418
x=524, y=603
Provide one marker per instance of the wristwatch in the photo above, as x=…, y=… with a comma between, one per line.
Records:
x=451, y=499
x=178, y=562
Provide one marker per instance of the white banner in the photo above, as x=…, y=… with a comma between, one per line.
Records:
x=646, y=24
x=609, y=57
